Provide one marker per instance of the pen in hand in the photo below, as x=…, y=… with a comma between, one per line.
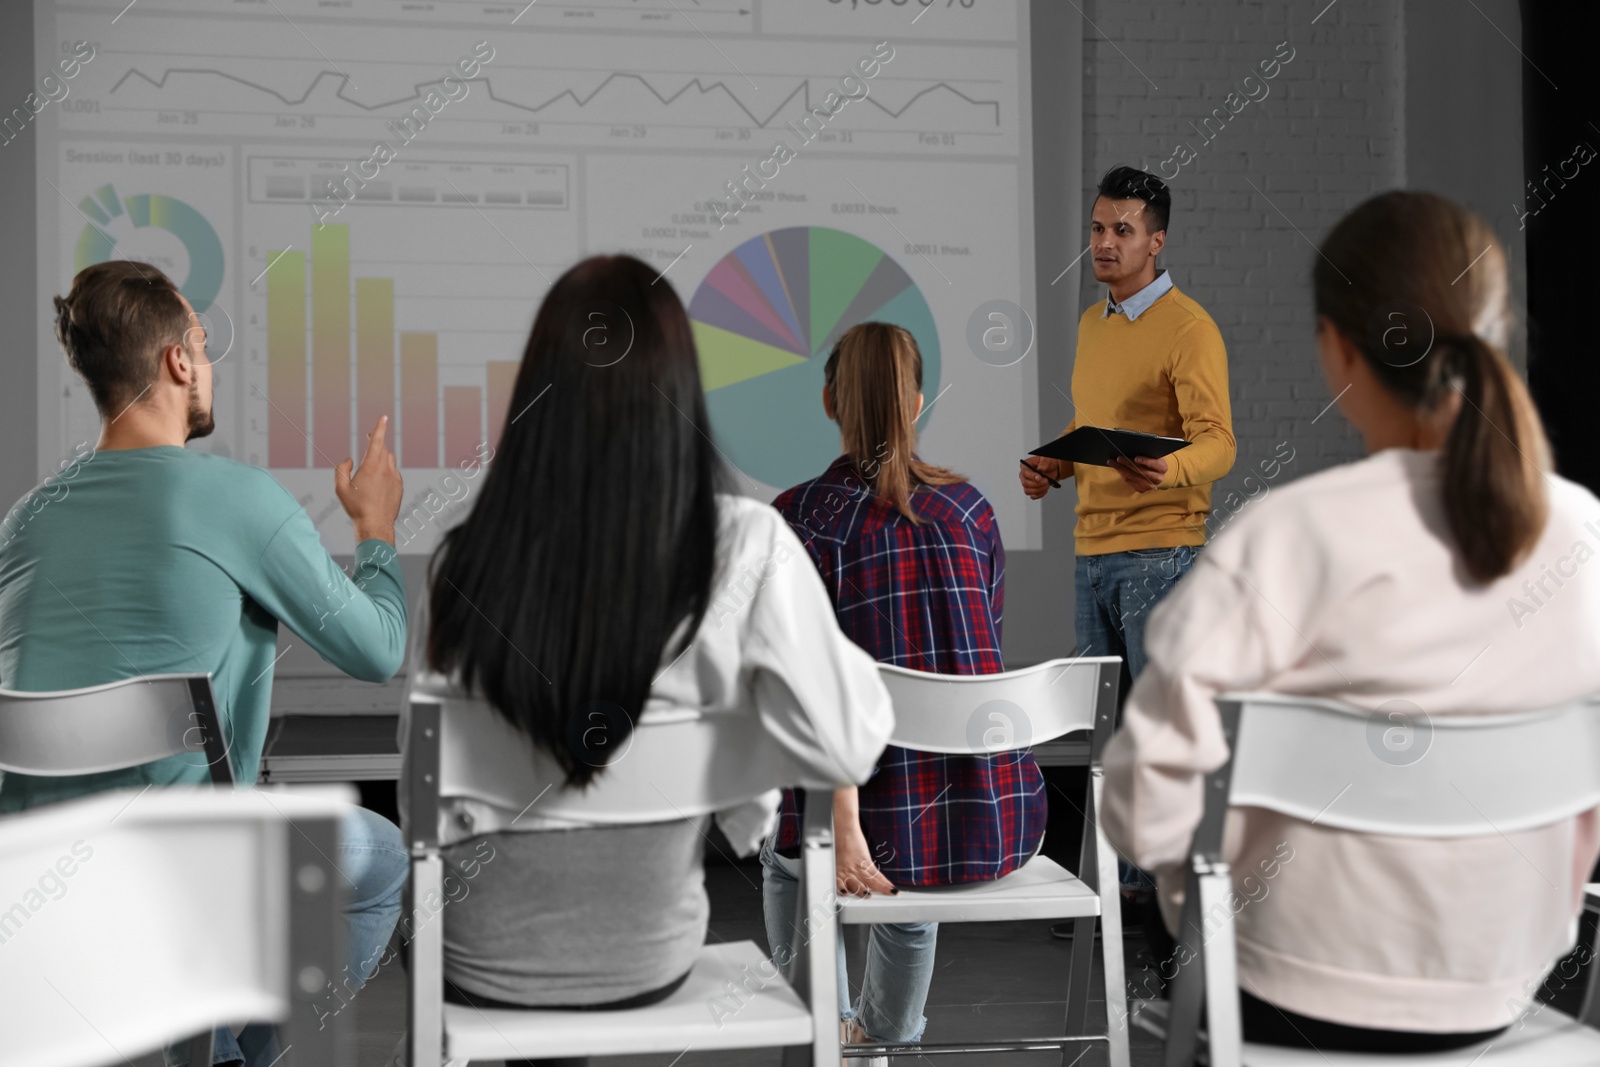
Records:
x=1053, y=483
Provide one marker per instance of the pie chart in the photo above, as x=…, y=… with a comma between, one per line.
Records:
x=765, y=319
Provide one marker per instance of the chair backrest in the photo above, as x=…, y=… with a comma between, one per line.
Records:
x=977, y=714
x=131, y=919
x=1392, y=771
x=674, y=765
x=112, y=727
x=1396, y=771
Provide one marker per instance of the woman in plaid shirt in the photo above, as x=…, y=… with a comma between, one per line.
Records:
x=911, y=555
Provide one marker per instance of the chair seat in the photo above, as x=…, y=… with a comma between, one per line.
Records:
x=1039, y=889
x=702, y=1014
x=1547, y=1038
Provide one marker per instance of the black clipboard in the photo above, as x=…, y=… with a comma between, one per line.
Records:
x=1097, y=446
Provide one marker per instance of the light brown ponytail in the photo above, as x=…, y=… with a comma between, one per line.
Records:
x=1494, y=459
x=1418, y=284
x=874, y=374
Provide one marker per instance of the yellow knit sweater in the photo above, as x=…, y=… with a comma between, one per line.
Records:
x=1164, y=373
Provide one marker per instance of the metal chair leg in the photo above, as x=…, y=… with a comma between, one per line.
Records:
x=1589, y=1015
x=1223, y=1037
x=1188, y=985
x=425, y=1002
x=1080, y=975
x=316, y=946
x=819, y=904
x=1108, y=886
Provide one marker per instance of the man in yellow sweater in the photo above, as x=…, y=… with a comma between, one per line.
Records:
x=1149, y=358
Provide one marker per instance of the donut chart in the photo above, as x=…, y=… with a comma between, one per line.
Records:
x=97, y=243
x=765, y=318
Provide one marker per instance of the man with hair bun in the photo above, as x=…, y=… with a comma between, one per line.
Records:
x=146, y=557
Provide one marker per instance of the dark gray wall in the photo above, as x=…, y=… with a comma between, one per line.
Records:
x=1422, y=93
x=19, y=420
x=1463, y=120
x=1262, y=185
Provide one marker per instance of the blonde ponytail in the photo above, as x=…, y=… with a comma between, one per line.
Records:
x=874, y=374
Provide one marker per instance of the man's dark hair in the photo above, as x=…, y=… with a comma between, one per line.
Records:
x=1131, y=183
x=114, y=323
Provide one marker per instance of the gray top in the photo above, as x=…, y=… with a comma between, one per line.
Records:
x=575, y=917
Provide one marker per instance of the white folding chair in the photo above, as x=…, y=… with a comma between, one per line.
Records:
x=685, y=767
x=1310, y=759
x=136, y=919
x=112, y=727
x=989, y=714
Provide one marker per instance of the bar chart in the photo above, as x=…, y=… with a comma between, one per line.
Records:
x=317, y=406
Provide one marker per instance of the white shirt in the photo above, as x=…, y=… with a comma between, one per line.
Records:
x=1344, y=585
x=769, y=645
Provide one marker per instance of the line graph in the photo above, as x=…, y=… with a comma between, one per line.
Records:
x=729, y=17
x=551, y=90
x=581, y=100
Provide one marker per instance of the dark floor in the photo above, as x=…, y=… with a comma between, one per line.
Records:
x=993, y=980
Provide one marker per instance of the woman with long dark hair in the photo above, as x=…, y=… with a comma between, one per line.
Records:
x=602, y=571
x=911, y=556
x=1439, y=576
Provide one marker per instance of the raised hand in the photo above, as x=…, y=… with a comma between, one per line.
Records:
x=371, y=494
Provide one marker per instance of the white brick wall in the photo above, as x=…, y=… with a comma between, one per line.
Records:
x=1328, y=135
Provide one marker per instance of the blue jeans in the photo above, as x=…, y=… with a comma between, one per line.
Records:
x=899, y=957
x=373, y=860
x=1115, y=594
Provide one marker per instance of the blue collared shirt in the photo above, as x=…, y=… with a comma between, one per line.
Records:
x=1139, y=302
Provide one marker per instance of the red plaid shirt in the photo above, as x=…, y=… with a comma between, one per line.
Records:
x=928, y=597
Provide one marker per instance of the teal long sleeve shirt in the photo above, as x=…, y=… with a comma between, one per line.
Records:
x=162, y=560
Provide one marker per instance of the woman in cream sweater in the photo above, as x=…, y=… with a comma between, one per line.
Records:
x=1446, y=570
